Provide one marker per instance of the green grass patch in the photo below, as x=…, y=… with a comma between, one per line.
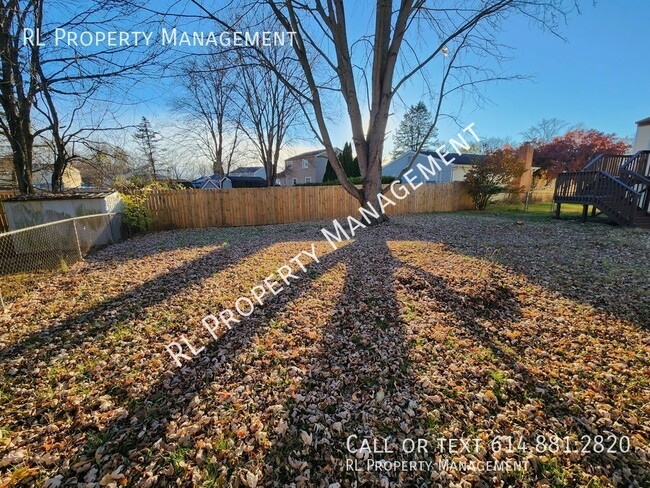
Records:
x=554, y=473
x=538, y=212
x=95, y=440
x=499, y=383
x=178, y=459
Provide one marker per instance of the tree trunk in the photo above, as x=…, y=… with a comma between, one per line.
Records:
x=371, y=188
x=152, y=163
x=217, y=164
x=22, y=170
x=57, y=175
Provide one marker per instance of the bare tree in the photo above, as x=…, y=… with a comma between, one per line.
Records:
x=320, y=30
x=210, y=110
x=104, y=164
x=544, y=130
x=268, y=108
x=60, y=80
x=80, y=80
x=19, y=83
x=488, y=145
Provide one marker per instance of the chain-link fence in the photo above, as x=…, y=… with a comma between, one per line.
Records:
x=53, y=246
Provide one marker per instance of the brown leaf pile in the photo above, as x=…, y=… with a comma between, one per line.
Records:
x=448, y=326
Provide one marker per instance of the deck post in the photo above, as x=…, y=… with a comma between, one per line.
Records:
x=593, y=210
x=557, y=210
x=585, y=209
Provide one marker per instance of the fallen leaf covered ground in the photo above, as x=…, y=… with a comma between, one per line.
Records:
x=432, y=327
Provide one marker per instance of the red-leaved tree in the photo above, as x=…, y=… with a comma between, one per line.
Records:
x=573, y=150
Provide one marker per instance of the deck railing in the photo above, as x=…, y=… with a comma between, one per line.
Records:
x=574, y=185
x=619, y=200
x=636, y=173
x=639, y=164
x=609, y=163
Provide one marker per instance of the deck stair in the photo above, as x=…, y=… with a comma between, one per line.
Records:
x=615, y=184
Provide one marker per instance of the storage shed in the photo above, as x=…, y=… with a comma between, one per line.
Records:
x=29, y=210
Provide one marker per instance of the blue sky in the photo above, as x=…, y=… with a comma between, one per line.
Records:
x=599, y=76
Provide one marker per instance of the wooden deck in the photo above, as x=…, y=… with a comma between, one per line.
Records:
x=614, y=184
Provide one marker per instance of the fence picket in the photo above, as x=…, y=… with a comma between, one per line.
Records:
x=182, y=209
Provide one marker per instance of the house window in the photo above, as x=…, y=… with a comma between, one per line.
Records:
x=307, y=179
x=305, y=164
x=289, y=164
x=295, y=181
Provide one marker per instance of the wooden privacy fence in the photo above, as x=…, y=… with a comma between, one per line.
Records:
x=185, y=209
x=3, y=218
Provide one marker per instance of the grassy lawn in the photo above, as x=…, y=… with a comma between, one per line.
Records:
x=437, y=327
x=541, y=211
x=536, y=209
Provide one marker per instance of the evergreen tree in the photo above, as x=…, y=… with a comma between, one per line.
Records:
x=413, y=128
x=147, y=138
x=350, y=165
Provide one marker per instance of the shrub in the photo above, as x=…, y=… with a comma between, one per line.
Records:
x=350, y=165
x=137, y=217
x=499, y=172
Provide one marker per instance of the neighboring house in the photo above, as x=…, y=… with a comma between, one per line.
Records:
x=642, y=138
x=460, y=164
x=249, y=172
x=280, y=178
x=42, y=178
x=308, y=167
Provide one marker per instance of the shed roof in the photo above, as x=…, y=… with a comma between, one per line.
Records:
x=69, y=195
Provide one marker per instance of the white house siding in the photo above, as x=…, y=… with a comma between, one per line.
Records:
x=459, y=172
x=642, y=139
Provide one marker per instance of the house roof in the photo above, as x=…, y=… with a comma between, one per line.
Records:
x=50, y=167
x=645, y=121
x=210, y=184
x=200, y=182
x=459, y=159
x=245, y=170
x=308, y=154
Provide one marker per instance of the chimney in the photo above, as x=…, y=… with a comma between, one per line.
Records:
x=525, y=154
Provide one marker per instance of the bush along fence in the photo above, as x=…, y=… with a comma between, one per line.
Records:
x=55, y=246
x=185, y=209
